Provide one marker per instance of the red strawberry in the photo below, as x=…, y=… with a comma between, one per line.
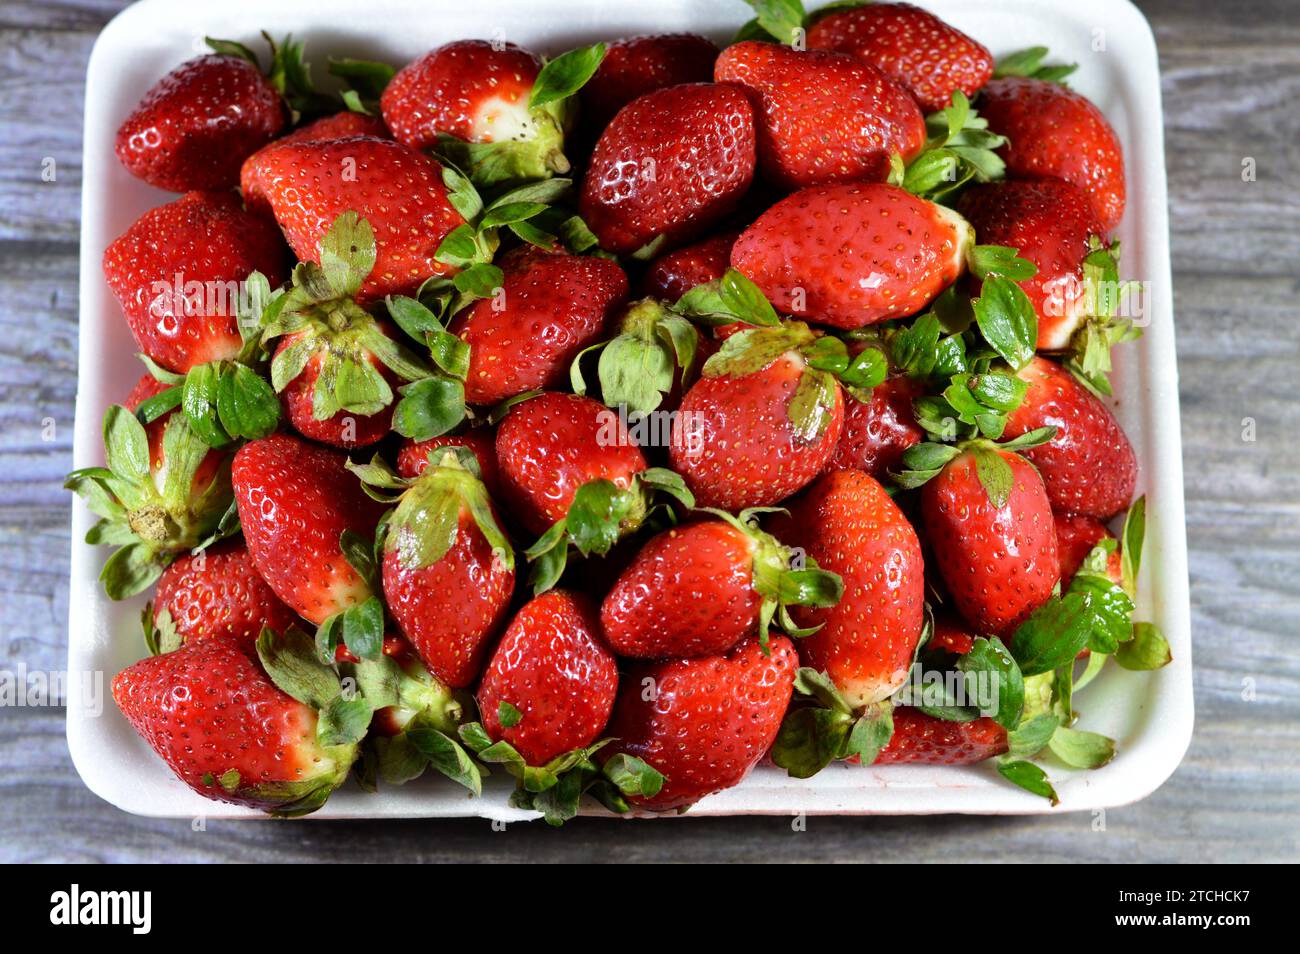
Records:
x=342, y=125
x=923, y=739
x=996, y=556
x=552, y=306
x=218, y=591
x=699, y=589
x=398, y=190
x=703, y=722
x=341, y=428
x=1089, y=466
x=950, y=636
x=1076, y=536
x=879, y=429
x=822, y=117
x=220, y=723
x=642, y=64
x=1057, y=133
x=551, y=683
x=671, y=164
x=413, y=458
x=910, y=45
x=448, y=569
x=1052, y=224
x=671, y=276
x=177, y=273
x=295, y=500
x=853, y=255
x=196, y=125
x=850, y=526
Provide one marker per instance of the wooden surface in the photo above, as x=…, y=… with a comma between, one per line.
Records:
x=1231, y=79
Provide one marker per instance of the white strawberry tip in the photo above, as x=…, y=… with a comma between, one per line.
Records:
x=963, y=236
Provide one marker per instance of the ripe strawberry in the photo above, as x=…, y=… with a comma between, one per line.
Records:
x=1089, y=466
x=853, y=255
x=671, y=276
x=219, y=722
x=950, y=636
x=912, y=46
x=552, y=306
x=342, y=125
x=850, y=526
x=879, y=429
x=702, y=722
x=989, y=523
x=822, y=117
x=698, y=589
x=1054, y=132
x=1076, y=536
x=671, y=164
x=551, y=683
x=414, y=456
x=218, y=591
x=194, y=127
x=923, y=739
x=398, y=190
x=177, y=272
x=641, y=64
x=295, y=500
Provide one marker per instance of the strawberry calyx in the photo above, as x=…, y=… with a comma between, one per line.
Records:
x=288, y=72
x=654, y=350
x=959, y=150
x=1090, y=345
x=821, y=727
x=922, y=462
x=1029, y=62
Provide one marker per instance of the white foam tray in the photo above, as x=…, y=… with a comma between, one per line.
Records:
x=1149, y=714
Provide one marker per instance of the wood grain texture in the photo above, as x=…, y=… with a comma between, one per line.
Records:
x=1231, y=74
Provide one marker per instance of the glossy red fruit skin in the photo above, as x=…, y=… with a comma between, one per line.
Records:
x=550, y=445
x=413, y=458
x=733, y=442
x=555, y=305
x=1054, y=132
x=821, y=116
x=999, y=564
x=878, y=431
x=853, y=255
x=444, y=90
x=208, y=707
x=1049, y=221
x=703, y=722
x=689, y=592
x=342, y=125
x=1076, y=536
x=450, y=609
x=194, y=127
x=671, y=276
x=641, y=64
x=219, y=592
x=912, y=46
x=850, y=526
x=553, y=666
x=1089, y=467
x=925, y=740
x=950, y=636
x=295, y=499
x=672, y=163
x=398, y=190
x=344, y=429
x=212, y=244
x=148, y=386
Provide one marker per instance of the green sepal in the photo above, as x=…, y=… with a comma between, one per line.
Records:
x=653, y=351
x=1029, y=62
x=565, y=75
x=1147, y=650
x=1028, y=776
x=729, y=299
x=1007, y=320
x=959, y=149
x=1054, y=634
x=821, y=728
x=1079, y=749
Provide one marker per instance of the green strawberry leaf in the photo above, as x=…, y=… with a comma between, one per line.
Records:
x=565, y=75
x=508, y=715
x=1007, y=320
x=1054, y=634
x=1079, y=749
x=1029, y=62
x=291, y=660
x=1031, y=736
x=363, y=629
x=429, y=408
x=1029, y=777
x=1147, y=650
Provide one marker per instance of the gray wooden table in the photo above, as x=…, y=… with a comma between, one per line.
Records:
x=1231, y=79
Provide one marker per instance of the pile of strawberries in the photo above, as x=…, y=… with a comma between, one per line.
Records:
x=620, y=421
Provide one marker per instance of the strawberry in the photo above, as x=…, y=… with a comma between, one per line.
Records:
x=853, y=255
x=989, y=522
x=641, y=64
x=1076, y=537
x=414, y=456
x=951, y=636
x=699, y=589
x=552, y=305
x=231, y=733
x=911, y=46
x=702, y=722
x=551, y=683
x=397, y=190
x=178, y=270
x=216, y=591
x=342, y=125
x=671, y=276
x=878, y=430
x=671, y=164
x=822, y=117
x=295, y=501
x=850, y=526
x=1089, y=466
x=194, y=127
x=448, y=569
x=1056, y=133
x=924, y=739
